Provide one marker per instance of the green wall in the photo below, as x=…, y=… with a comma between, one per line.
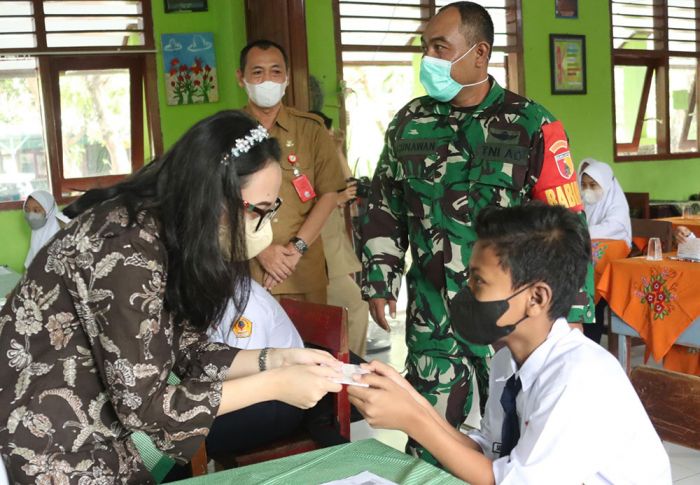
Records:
x=320, y=39
x=588, y=118
x=226, y=19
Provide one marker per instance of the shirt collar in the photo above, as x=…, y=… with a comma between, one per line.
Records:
x=494, y=95
x=530, y=369
x=282, y=119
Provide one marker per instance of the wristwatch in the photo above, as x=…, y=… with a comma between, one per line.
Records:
x=299, y=245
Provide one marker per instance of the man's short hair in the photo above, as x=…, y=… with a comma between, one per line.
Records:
x=477, y=25
x=539, y=243
x=263, y=44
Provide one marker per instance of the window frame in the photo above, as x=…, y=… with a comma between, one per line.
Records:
x=140, y=60
x=657, y=62
x=514, y=65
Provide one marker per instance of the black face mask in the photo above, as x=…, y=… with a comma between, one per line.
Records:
x=475, y=321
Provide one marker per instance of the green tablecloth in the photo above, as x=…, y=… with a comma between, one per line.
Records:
x=333, y=463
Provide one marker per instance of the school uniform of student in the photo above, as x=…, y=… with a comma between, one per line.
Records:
x=607, y=213
x=262, y=324
x=43, y=228
x=579, y=417
x=302, y=136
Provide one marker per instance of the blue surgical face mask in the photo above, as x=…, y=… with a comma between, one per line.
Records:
x=436, y=77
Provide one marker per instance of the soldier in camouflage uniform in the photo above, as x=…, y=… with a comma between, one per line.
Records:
x=443, y=162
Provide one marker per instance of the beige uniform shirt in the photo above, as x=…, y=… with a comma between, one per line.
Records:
x=304, y=135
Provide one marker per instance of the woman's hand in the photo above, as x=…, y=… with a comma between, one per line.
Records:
x=682, y=234
x=277, y=358
x=303, y=386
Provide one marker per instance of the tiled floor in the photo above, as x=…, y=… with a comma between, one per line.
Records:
x=685, y=462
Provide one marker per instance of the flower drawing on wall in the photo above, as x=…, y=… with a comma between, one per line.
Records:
x=190, y=68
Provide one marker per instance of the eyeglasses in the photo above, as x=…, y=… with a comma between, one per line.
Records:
x=264, y=214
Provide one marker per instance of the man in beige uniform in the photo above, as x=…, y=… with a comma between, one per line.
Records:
x=294, y=265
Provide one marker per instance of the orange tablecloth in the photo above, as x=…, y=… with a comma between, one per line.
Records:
x=692, y=223
x=659, y=299
x=604, y=251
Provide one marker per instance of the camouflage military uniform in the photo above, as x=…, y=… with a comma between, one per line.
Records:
x=440, y=166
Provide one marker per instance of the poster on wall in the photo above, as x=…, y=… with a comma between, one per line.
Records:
x=190, y=68
x=566, y=9
x=568, y=63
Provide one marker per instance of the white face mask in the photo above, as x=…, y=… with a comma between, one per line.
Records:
x=266, y=94
x=35, y=220
x=591, y=196
x=255, y=241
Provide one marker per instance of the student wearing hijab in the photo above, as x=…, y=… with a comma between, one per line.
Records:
x=121, y=300
x=608, y=216
x=45, y=220
x=607, y=212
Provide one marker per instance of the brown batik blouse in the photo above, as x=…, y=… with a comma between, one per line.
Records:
x=86, y=347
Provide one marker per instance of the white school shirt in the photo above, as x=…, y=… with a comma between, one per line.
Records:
x=580, y=418
x=263, y=324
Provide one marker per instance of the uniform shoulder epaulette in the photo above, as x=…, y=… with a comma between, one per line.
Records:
x=306, y=115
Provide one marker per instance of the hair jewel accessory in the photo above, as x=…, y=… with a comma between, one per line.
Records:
x=244, y=144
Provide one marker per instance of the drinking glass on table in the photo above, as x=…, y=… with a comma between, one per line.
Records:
x=654, y=249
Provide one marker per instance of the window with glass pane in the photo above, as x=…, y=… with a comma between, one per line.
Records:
x=72, y=85
x=95, y=122
x=655, y=58
x=23, y=166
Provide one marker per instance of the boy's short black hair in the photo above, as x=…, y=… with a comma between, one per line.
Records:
x=539, y=243
x=263, y=44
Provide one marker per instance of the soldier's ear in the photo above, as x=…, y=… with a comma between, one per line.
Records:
x=483, y=54
x=239, y=77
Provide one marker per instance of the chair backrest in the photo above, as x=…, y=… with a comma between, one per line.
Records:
x=639, y=204
x=646, y=228
x=672, y=401
x=325, y=326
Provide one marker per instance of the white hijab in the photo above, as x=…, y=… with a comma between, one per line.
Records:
x=42, y=235
x=609, y=218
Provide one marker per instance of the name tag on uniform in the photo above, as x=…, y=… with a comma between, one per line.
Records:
x=304, y=189
x=415, y=147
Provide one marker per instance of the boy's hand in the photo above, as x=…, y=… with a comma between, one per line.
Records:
x=385, y=404
x=382, y=369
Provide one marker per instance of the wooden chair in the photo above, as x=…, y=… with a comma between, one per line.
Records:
x=639, y=204
x=646, y=228
x=322, y=326
x=672, y=401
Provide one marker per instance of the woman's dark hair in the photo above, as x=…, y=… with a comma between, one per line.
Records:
x=539, y=243
x=186, y=190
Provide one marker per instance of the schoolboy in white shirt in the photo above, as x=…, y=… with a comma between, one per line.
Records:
x=560, y=409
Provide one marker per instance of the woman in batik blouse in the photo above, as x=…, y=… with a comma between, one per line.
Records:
x=123, y=296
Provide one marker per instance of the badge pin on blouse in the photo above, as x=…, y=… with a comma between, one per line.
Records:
x=292, y=159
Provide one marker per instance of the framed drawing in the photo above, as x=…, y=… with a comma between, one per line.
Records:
x=566, y=9
x=189, y=63
x=567, y=63
x=185, y=6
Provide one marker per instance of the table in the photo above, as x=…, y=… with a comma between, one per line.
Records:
x=8, y=281
x=333, y=463
x=659, y=300
x=692, y=223
x=604, y=251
